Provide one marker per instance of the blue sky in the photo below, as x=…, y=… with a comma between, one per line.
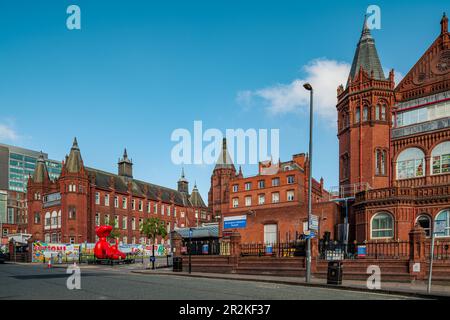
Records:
x=137, y=70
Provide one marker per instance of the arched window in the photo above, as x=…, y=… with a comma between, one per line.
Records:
x=382, y=226
x=425, y=222
x=54, y=219
x=365, y=113
x=357, y=115
x=383, y=112
x=443, y=217
x=380, y=162
x=440, y=158
x=377, y=112
x=410, y=163
x=48, y=219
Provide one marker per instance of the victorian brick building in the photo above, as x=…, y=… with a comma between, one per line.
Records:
x=274, y=201
x=394, y=142
x=69, y=209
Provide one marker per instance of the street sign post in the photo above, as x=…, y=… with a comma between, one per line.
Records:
x=314, y=222
x=190, y=248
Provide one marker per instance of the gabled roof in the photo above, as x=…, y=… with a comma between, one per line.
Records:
x=432, y=68
x=366, y=56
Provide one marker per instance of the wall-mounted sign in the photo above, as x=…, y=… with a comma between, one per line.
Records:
x=362, y=251
x=235, y=222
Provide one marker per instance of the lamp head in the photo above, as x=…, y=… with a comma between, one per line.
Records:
x=307, y=86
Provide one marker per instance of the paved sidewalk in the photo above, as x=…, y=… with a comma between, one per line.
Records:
x=413, y=289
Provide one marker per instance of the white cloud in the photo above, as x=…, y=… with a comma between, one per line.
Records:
x=323, y=74
x=7, y=133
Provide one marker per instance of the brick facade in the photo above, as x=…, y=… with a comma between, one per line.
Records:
x=403, y=194
x=277, y=195
x=68, y=209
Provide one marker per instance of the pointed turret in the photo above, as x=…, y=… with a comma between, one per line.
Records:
x=40, y=172
x=74, y=162
x=183, y=184
x=224, y=160
x=366, y=56
x=125, y=166
x=444, y=24
x=196, y=199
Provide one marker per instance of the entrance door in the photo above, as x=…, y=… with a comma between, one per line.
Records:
x=270, y=233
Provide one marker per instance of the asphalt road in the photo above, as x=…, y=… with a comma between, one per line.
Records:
x=22, y=281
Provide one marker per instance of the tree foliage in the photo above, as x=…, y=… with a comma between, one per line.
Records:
x=153, y=228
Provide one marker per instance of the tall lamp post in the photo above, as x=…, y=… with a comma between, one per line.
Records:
x=308, y=87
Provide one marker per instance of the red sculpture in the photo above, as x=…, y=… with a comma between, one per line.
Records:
x=103, y=250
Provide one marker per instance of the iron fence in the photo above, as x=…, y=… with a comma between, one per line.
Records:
x=334, y=250
x=160, y=261
x=441, y=250
x=280, y=249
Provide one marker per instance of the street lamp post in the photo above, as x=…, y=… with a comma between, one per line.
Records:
x=190, y=249
x=308, y=87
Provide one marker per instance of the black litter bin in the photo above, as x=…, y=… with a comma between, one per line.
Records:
x=334, y=273
x=177, y=264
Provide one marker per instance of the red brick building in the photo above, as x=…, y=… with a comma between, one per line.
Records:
x=274, y=201
x=394, y=142
x=69, y=209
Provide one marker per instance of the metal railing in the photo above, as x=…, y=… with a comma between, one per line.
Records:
x=441, y=250
x=348, y=190
x=334, y=250
x=279, y=249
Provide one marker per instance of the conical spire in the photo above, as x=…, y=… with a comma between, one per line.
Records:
x=182, y=177
x=444, y=24
x=74, y=161
x=40, y=172
x=224, y=160
x=366, y=56
x=196, y=199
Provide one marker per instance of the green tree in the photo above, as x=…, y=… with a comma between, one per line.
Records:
x=152, y=228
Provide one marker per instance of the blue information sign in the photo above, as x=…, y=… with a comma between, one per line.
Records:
x=234, y=222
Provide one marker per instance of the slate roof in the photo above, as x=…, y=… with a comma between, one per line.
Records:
x=366, y=56
x=74, y=162
x=142, y=189
x=40, y=174
x=196, y=199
